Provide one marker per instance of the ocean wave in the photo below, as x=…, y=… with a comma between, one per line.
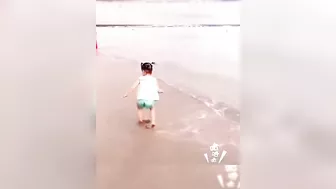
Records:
x=219, y=108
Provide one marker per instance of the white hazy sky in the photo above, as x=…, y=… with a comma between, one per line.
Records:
x=167, y=13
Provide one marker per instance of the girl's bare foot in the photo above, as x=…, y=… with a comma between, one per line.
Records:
x=150, y=126
x=147, y=121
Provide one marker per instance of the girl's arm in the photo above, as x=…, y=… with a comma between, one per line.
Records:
x=136, y=83
x=158, y=87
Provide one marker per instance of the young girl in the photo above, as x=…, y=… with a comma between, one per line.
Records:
x=148, y=92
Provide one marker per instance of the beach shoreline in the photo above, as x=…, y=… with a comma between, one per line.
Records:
x=205, y=65
x=197, y=67
x=204, y=60
x=171, y=152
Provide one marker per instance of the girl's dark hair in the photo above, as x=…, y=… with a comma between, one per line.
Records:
x=147, y=67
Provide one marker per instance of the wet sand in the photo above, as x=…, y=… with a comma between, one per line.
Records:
x=169, y=156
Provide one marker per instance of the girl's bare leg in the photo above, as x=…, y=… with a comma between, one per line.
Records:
x=153, y=116
x=140, y=115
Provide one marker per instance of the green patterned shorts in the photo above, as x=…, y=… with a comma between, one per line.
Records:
x=147, y=104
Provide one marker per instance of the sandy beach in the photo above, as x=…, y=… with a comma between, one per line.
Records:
x=171, y=155
x=197, y=69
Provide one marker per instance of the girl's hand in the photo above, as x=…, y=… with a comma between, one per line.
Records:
x=125, y=96
x=160, y=91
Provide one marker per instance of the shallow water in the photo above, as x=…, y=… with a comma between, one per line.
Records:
x=200, y=61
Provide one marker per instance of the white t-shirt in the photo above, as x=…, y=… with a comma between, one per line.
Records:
x=148, y=88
